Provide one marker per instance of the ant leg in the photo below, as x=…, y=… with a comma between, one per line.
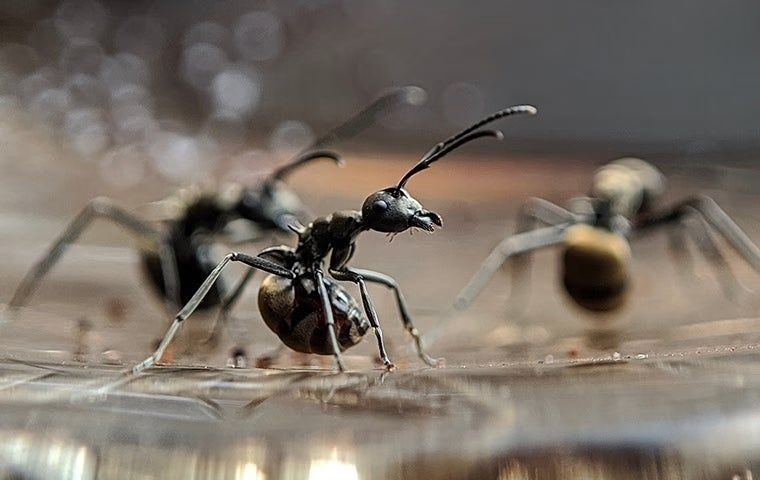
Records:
x=709, y=248
x=716, y=218
x=511, y=246
x=353, y=276
x=105, y=209
x=227, y=304
x=723, y=224
x=533, y=211
x=679, y=250
x=703, y=239
x=406, y=318
x=197, y=298
x=538, y=209
x=327, y=310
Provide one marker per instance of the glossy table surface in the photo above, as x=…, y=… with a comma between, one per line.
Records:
x=667, y=388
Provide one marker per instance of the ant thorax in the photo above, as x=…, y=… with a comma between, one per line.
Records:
x=208, y=196
x=619, y=189
x=333, y=232
x=628, y=185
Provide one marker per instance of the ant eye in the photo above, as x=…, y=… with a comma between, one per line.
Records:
x=380, y=206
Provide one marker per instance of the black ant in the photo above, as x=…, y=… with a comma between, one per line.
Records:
x=311, y=313
x=595, y=234
x=177, y=255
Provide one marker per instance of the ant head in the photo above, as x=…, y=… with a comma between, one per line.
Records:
x=273, y=205
x=393, y=210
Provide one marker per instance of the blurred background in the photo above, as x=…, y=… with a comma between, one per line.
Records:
x=167, y=88
x=134, y=99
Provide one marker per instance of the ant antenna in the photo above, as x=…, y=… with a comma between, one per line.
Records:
x=285, y=170
x=465, y=136
x=409, y=95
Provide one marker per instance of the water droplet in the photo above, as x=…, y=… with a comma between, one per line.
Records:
x=641, y=356
x=549, y=358
x=123, y=69
x=178, y=157
x=236, y=90
x=258, y=36
x=130, y=95
x=201, y=63
x=49, y=105
x=207, y=32
x=32, y=85
x=86, y=91
x=86, y=132
x=133, y=123
x=81, y=56
x=616, y=356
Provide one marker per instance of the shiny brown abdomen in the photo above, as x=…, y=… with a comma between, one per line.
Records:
x=596, y=266
x=292, y=309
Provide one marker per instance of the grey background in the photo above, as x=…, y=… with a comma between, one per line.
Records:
x=676, y=76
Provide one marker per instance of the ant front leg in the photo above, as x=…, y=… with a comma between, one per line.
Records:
x=508, y=248
x=197, y=298
x=349, y=276
x=532, y=212
x=406, y=318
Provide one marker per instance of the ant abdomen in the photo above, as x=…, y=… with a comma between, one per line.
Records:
x=292, y=309
x=189, y=269
x=596, y=267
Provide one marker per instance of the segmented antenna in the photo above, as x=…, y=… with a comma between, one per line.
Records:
x=465, y=136
x=283, y=171
x=409, y=95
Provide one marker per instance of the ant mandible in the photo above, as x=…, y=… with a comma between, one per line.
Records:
x=310, y=312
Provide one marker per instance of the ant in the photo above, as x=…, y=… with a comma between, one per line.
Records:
x=310, y=312
x=177, y=256
x=595, y=233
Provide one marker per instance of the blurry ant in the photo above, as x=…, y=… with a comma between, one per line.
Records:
x=595, y=234
x=178, y=257
x=311, y=313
